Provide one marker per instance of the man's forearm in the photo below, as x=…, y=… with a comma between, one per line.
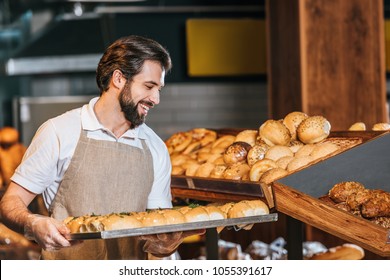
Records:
x=14, y=212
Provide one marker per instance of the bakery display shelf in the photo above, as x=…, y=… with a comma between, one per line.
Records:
x=231, y=222
x=297, y=195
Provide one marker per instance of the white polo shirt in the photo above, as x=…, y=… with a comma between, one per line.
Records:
x=51, y=150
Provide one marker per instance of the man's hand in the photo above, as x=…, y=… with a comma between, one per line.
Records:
x=49, y=233
x=165, y=244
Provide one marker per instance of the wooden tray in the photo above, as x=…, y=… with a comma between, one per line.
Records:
x=369, y=163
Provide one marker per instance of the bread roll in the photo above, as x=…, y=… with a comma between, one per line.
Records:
x=295, y=145
x=191, y=169
x=9, y=136
x=154, y=218
x=313, y=129
x=248, y=136
x=223, y=141
x=173, y=216
x=359, y=126
x=178, y=141
x=247, y=208
x=204, y=170
x=274, y=132
x=218, y=171
x=196, y=214
x=203, y=135
x=276, y=152
x=284, y=161
x=119, y=221
x=259, y=168
x=192, y=147
x=215, y=213
x=236, y=152
x=305, y=150
x=177, y=170
x=256, y=153
x=343, y=252
x=238, y=171
x=272, y=175
x=292, y=121
x=178, y=159
x=323, y=149
x=298, y=163
x=381, y=126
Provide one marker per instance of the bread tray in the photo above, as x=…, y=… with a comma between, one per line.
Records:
x=232, y=222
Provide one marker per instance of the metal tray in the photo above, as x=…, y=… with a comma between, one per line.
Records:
x=177, y=227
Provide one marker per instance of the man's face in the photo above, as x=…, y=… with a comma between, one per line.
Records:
x=142, y=93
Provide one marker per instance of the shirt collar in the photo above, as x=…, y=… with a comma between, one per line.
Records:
x=90, y=122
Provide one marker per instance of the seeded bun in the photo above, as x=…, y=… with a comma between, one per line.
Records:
x=274, y=132
x=313, y=130
x=292, y=121
x=256, y=153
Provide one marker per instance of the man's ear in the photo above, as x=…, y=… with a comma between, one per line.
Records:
x=118, y=80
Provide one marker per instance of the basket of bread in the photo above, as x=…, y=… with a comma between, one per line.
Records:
x=274, y=150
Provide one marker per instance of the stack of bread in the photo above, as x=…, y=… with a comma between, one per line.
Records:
x=161, y=217
x=11, y=153
x=277, y=148
x=354, y=197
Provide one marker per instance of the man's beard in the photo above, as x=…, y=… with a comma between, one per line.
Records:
x=130, y=110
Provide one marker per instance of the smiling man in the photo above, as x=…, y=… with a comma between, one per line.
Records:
x=101, y=158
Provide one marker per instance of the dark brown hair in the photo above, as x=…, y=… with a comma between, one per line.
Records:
x=128, y=55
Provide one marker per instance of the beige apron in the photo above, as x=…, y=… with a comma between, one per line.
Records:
x=103, y=177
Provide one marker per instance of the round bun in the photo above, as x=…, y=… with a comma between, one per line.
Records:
x=215, y=213
x=273, y=174
x=313, y=130
x=381, y=126
x=239, y=171
x=298, y=163
x=276, y=152
x=9, y=135
x=274, y=132
x=247, y=208
x=248, y=136
x=191, y=169
x=359, y=126
x=324, y=149
x=259, y=168
x=236, y=152
x=256, y=153
x=292, y=121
